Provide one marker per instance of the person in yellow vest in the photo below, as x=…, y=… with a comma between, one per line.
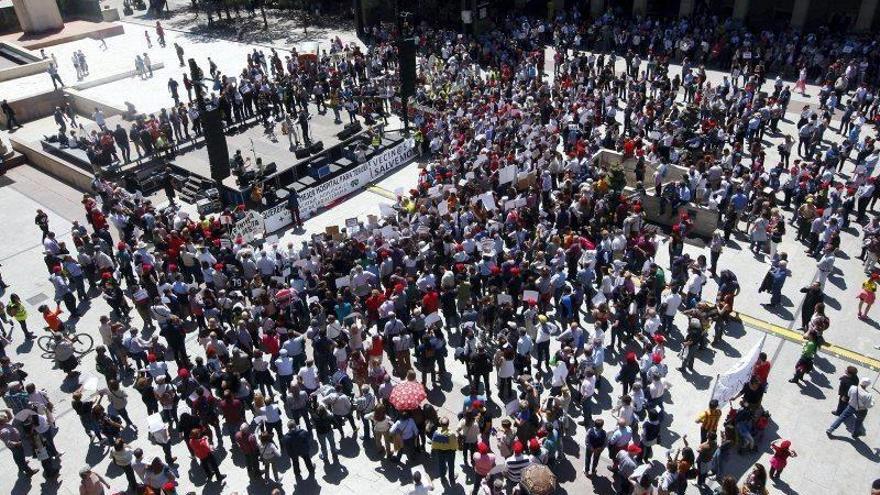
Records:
x=16, y=309
x=444, y=444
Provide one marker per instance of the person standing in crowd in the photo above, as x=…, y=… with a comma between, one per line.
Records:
x=859, y=401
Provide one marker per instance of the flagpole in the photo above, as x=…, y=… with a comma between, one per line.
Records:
x=714, y=385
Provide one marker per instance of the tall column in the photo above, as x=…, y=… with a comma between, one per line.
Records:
x=35, y=16
x=597, y=8
x=685, y=8
x=740, y=9
x=799, y=13
x=867, y=11
x=640, y=7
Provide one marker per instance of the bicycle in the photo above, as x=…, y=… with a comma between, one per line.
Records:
x=83, y=343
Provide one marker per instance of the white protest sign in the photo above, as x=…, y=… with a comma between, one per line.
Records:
x=325, y=193
x=277, y=217
x=155, y=423
x=432, y=318
x=727, y=385
x=387, y=210
x=507, y=174
x=251, y=226
x=343, y=282
x=488, y=201
x=530, y=295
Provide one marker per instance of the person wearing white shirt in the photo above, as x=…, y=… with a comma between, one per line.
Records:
x=542, y=341
x=656, y=390
x=860, y=400
x=284, y=370
x=652, y=323
x=671, y=302
x=695, y=287
x=308, y=375
x=560, y=373
x=587, y=389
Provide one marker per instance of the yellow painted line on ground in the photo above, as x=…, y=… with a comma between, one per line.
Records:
x=381, y=191
x=795, y=336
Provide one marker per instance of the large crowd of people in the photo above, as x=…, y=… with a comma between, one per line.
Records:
x=534, y=280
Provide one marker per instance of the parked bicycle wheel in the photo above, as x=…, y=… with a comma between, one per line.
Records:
x=46, y=343
x=83, y=343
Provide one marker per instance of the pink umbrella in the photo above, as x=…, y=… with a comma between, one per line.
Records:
x=407, y=396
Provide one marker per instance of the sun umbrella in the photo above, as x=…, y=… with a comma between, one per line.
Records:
x=538, y=479
x=407, y=395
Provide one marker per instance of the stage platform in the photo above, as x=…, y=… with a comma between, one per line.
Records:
x=253, y=140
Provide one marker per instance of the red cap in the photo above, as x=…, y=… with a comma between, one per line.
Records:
x=120, y=245
x=183, y=373
x=151, y=357
x=656, y=358
x=517, y=447
x=56, y=268
x=218, y=266
x=534, y=445
x=658, y=338
x=630, y=357
x=482, y=448
x=634, y=449
x=169, y=486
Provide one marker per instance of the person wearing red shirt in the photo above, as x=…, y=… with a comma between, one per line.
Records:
x=271, y=344
x=202, y=449
x=247, y=444
x=52, y=318
x=373, y=302
x=762, y=369
x=233, y=413
x=430, y=302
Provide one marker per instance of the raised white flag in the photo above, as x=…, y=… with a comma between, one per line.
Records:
x=727, y=385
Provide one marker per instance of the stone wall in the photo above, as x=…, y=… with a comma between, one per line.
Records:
x=52, y=165
x=705, y=220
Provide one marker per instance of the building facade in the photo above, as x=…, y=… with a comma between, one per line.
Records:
x=847, y=15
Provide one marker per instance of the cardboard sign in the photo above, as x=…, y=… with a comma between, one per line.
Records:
x=333, y=232
x=343, y=282
x=352, y=223
x=525, y=180
x=505, y=299
x=530, y=295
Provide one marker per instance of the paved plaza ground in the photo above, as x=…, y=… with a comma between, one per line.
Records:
x=800, y=413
